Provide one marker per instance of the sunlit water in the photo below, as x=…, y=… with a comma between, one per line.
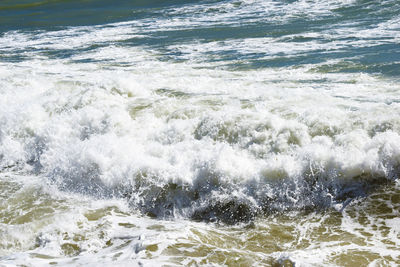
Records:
x=218, y=133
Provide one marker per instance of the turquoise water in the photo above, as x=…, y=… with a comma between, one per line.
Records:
x=218, y=133
x=349, y=32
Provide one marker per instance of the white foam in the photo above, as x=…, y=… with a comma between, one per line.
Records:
x=69, y=99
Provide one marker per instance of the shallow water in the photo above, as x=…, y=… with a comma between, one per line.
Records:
x=218, y=133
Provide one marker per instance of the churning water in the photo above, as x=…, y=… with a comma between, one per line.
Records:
x=219, y=133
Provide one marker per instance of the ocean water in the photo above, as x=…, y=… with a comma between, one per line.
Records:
x=200, y=133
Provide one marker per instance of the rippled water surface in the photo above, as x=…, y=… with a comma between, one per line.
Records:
x=217, y=133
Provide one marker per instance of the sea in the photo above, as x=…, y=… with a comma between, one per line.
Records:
x=200, y=133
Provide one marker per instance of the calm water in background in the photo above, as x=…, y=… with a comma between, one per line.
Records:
x=222, y=133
